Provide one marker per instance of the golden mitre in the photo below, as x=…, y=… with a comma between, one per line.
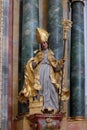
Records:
x=41, y=35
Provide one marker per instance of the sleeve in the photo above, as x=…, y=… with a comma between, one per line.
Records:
x=56, y=64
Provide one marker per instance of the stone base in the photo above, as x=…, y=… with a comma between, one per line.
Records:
x=45, y=121
x=74, y=124
x=37, y=122
x=42, y=122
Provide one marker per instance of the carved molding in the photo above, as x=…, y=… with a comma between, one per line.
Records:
x=72, y=1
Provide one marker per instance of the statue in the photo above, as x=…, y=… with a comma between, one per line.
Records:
x=43, y=74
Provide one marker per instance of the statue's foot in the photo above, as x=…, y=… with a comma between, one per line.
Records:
x=47, y=110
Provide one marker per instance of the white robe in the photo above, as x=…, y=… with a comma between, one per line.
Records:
x=48, y=90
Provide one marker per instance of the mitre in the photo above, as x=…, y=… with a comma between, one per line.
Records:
x=41, y=35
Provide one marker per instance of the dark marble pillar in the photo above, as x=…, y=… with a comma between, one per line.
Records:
x=77, y=102
x=55, y=16
x=29, y=25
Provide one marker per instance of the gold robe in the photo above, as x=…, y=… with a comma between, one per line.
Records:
x=32, y=81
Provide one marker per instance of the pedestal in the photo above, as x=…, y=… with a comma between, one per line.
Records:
x=45, y=121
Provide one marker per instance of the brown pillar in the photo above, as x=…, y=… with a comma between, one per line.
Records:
x=10, y=62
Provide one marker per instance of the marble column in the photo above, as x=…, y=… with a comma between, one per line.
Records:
x=29, y=25
x=1, y=44
x=55, y=16
x=5, y=65
x=10, y=65
x=77, y=99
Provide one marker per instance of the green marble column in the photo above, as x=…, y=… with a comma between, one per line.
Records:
x=77, y=99
x=30, y=22
x=55, y=16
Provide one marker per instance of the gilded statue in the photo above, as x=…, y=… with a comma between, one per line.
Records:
x=43, y=74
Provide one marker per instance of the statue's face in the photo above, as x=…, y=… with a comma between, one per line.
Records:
x=44, y=45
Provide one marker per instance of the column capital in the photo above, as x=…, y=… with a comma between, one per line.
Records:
x=72, y=1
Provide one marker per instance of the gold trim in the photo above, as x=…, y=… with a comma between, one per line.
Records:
x=72, y=1
x=77, y=118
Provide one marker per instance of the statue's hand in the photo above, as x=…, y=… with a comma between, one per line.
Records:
x=57, y=68
x=60, y=65
x=34, y=64
x=61, y=62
